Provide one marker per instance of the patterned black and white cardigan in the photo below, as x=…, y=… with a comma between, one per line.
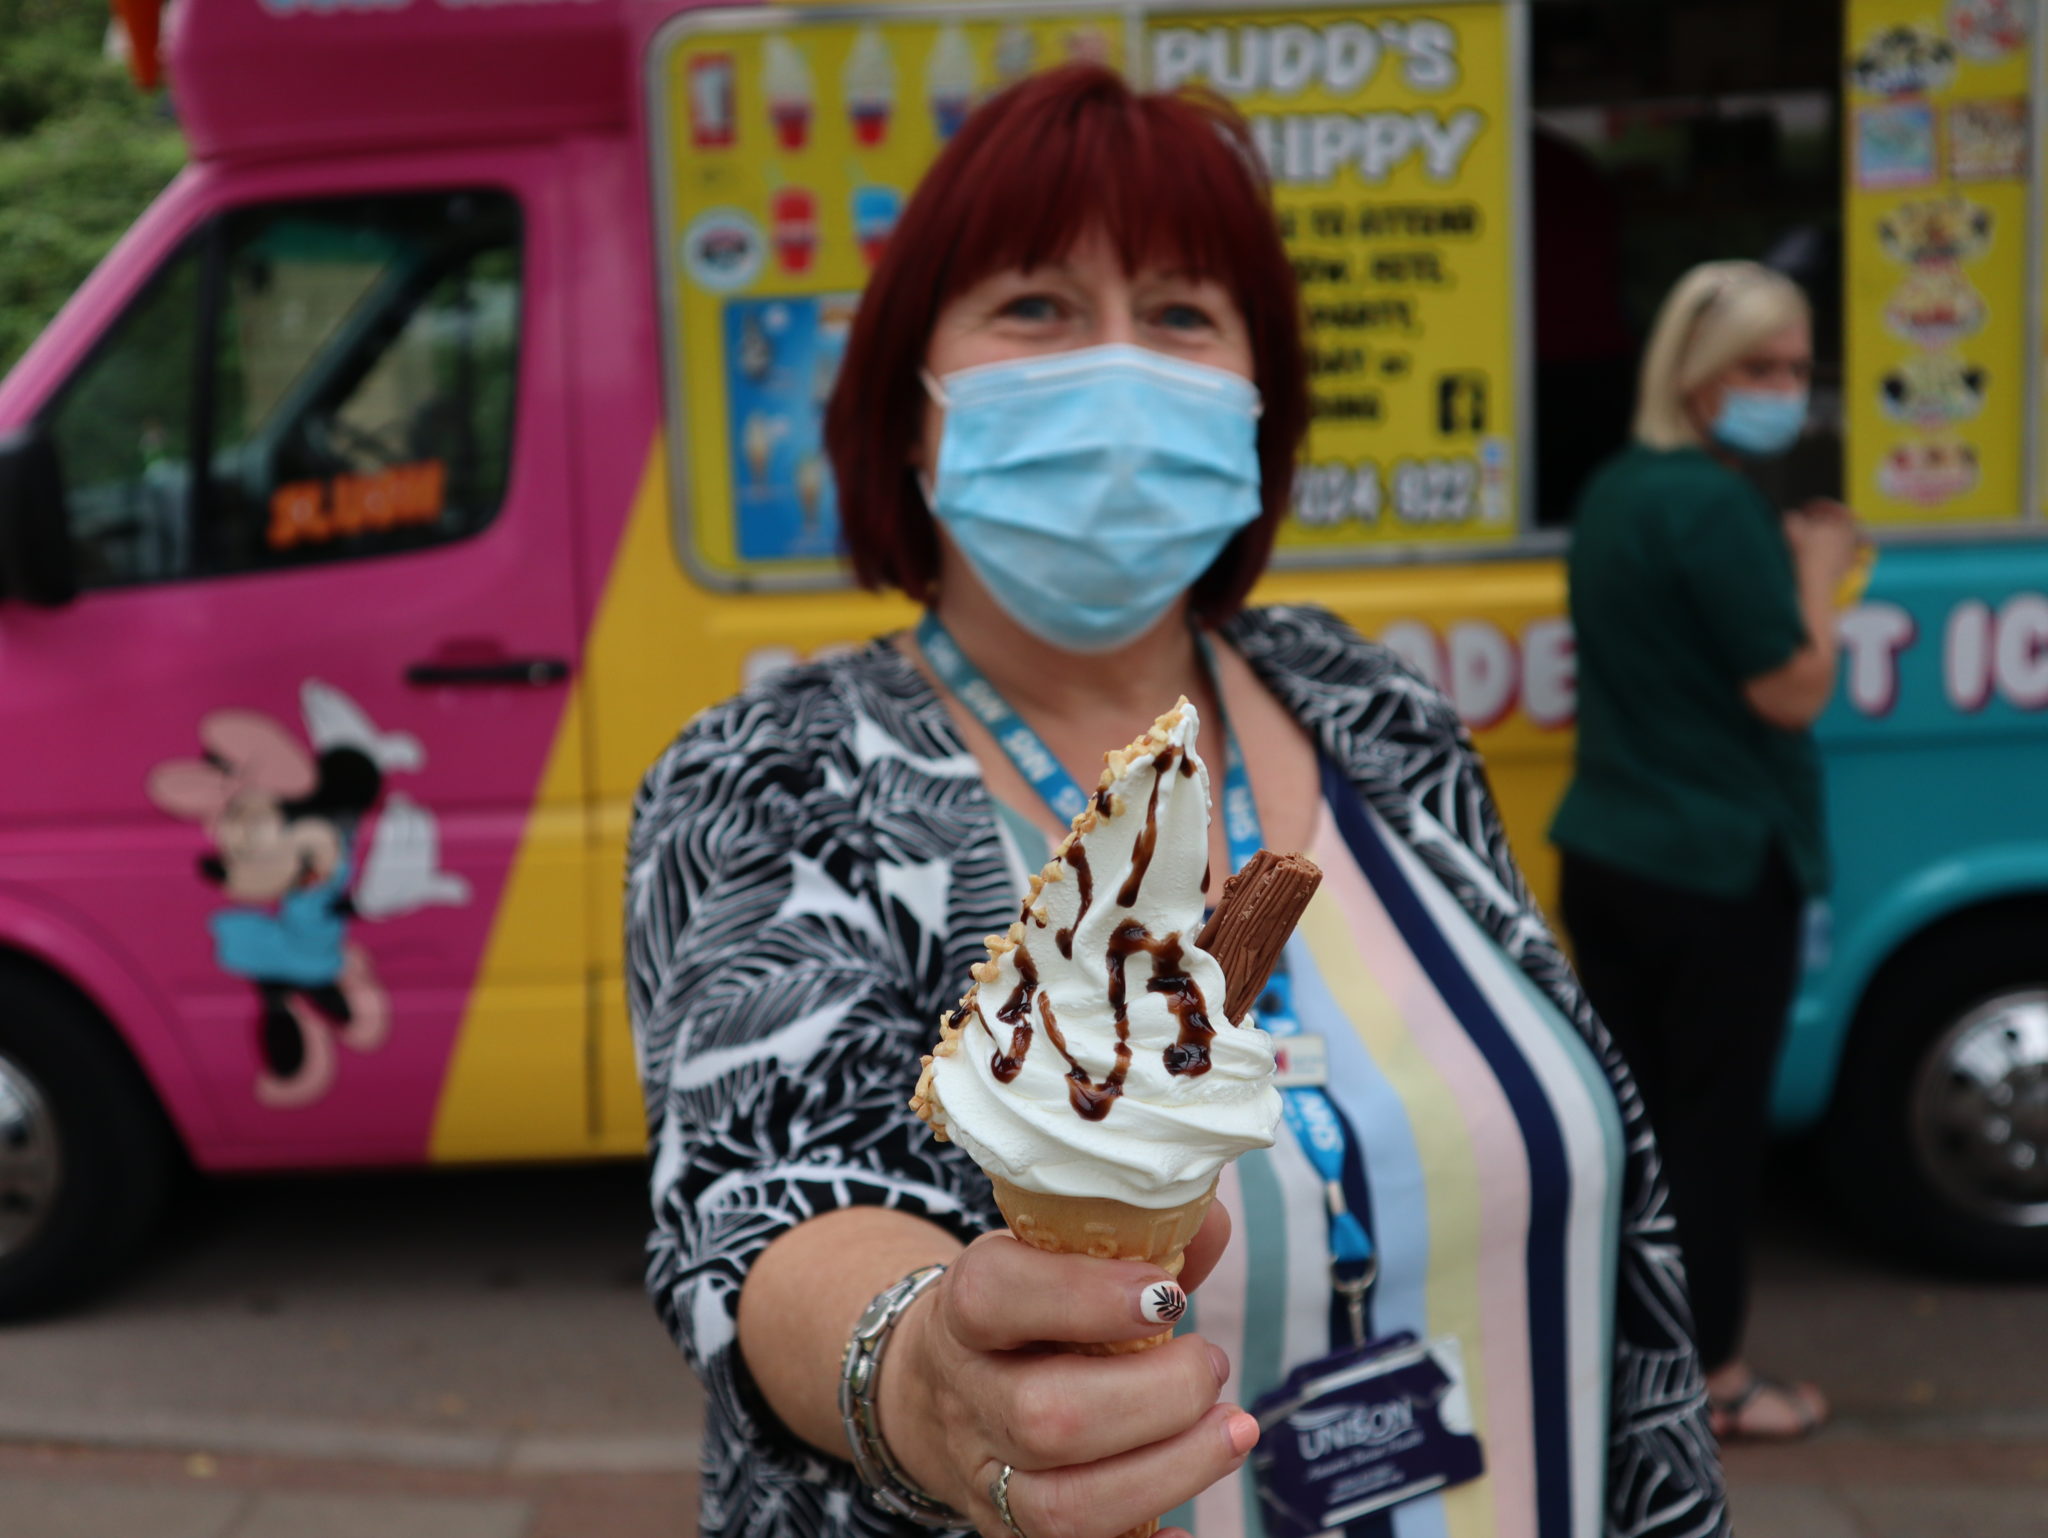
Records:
x=812, y=868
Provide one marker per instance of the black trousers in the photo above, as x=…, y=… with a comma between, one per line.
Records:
x=1696, y=990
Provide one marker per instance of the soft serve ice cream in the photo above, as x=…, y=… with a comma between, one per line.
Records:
x=870, y=85
x=786, y=80
x=950, y=78
x=1091, y=1057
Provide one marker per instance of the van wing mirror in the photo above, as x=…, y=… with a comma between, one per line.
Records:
x=35, y=535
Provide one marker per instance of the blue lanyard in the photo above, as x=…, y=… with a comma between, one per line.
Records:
x=1027, y=750
x=1311, y=1114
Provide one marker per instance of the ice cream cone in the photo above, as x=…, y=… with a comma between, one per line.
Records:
x=1107, y=1230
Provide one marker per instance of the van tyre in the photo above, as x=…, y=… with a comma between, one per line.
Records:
x=86, y=1158
x=1937, y=1143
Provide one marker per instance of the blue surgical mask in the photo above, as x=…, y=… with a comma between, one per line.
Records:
x=1760, y=423
x=1090, y=489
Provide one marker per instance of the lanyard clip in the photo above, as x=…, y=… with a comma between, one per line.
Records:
x=1354, y=1264
x=1353, y=1290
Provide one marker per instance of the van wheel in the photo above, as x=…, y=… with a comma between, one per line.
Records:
x=1938, y=1139
x=86, y=1159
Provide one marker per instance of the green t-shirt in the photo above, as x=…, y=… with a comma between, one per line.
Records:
x=1682, y=589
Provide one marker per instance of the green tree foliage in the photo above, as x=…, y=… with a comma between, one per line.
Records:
x=82, y=152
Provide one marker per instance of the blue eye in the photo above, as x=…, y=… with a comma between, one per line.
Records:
x=1183, y=317
x=1032, y=307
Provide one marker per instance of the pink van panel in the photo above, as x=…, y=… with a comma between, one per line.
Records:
x=272, y=78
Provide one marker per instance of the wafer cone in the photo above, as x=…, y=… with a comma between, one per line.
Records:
x=1107, y=1230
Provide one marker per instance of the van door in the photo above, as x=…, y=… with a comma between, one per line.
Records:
x=310, y=717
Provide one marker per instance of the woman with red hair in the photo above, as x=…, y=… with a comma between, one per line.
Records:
x=1066, y=424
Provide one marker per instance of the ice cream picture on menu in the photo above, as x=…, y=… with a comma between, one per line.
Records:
x=870, y=86
x=950, y=79
x=1104, y=1065
x=786, y=82
x=793, y=228
x=875, y=211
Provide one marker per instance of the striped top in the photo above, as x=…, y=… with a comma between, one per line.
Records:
x=1486, y=1160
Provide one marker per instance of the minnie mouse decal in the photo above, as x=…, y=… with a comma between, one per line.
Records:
x=285, y=823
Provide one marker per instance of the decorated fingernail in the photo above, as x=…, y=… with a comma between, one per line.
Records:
x=1162, y=1303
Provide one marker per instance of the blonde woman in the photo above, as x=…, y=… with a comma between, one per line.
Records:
x=1692, y=830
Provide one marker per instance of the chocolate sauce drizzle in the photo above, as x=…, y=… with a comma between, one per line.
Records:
x=1091, y=1101
x=1189, y=1055
x=1148, y=838
x=1016, y=1014
x=1052, y=1028
x=1077, y=857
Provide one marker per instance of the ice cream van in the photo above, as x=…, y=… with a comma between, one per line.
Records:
x=447, y=433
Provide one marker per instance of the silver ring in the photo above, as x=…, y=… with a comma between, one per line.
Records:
x=999, y=1494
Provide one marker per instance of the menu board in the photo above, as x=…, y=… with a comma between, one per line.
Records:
x=1388, y=136
x=786, y=152
x=1935, y=235
x=788, y=144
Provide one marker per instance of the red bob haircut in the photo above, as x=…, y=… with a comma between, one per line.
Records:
x=1172, y=180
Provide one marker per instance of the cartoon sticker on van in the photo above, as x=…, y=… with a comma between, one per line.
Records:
x=285, y=821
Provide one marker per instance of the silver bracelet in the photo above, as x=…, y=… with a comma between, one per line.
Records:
x=859, y=1378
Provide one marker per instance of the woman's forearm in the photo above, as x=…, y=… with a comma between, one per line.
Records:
x=1817, y=607
x=803, y=1297
x=1793, y=696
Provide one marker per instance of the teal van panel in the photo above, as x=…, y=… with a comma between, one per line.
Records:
x=1935, y=754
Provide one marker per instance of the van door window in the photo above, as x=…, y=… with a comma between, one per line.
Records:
x=123, y=432
x=355, y=397
x=1662, y=136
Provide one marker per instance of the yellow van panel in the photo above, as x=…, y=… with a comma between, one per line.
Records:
x=621, y=1121
x=518, y=1084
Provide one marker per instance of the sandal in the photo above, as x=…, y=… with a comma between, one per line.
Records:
x=1729, y=1413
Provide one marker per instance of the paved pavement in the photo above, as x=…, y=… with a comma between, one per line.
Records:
x=470, y=1356
x=461, y=1355
x=1941, y=1401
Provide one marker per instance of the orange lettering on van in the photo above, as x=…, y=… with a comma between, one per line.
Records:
x=421, y=490
x=313, y=512
x=352, y=503
x=297, y=515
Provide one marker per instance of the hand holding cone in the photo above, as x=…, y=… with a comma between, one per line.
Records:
x=1116, y=892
